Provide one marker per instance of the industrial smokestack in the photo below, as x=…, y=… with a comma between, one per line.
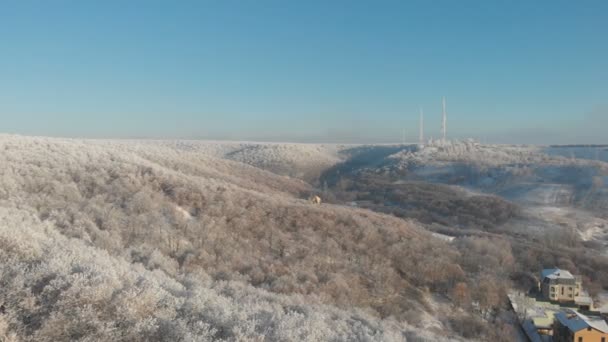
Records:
x=444, y=121
x=421, y=135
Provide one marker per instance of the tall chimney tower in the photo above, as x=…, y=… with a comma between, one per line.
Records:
x=421, y=136
x=444, y=121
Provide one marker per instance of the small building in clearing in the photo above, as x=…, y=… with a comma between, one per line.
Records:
x=560, y=285
x=315, y=199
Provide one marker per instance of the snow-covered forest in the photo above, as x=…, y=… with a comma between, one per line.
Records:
x=192, y=241
x=127, y=241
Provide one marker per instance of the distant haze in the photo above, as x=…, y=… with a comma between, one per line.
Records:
x=308, y=71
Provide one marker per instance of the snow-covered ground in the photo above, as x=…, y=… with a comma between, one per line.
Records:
x=580, y=152
x=586, y=224
x=127, y=240
x=554, y=190
x=471, y=152
x=298, y=160
x=540, y=194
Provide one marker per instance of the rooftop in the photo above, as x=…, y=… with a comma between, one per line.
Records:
x=576, y=321
x=583, y=298
x=556, y=273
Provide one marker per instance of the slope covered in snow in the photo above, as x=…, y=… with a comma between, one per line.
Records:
x=524, y=174
x=116, y=240
x=55, y=288
x=301, y=161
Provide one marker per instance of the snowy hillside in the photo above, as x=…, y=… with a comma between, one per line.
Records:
x=188, y=240
x=302, y=161
x=103, y=240
x=525, y=174
x=472, y=152
x=55, y=288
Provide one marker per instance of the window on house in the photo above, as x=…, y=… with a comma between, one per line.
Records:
x=570, y=288
x=562, y=290
x=588, y=328
x=580, y=339
x=552, y=289
x=603, y=339
x=570, y=295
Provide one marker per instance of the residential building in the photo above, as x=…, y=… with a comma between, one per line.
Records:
x=572, y=326
x=560, y=285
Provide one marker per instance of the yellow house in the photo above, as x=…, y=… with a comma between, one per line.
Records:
x=560, y=285
x=576, y=327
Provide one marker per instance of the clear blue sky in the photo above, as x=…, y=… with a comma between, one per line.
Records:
x=357, y=71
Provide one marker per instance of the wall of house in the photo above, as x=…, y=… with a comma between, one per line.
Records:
x=563, y=334
x=561, y=293
x=590, y=336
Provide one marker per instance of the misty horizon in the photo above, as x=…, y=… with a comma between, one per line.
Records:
x=532, y=73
